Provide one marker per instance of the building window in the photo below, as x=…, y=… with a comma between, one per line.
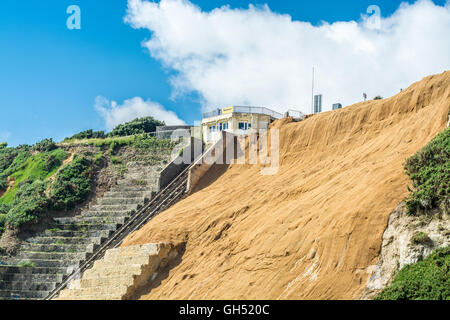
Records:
x=212, y=129
x=244, y=125
x=223, y=126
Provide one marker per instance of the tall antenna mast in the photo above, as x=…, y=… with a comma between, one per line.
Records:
x=312, y=92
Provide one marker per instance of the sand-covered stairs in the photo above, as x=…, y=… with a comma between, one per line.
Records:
x=120, y=273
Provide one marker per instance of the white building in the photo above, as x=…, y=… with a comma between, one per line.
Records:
x=237, y=120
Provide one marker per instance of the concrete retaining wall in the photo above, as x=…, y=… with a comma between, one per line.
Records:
x=216, y=154
x=174, y=168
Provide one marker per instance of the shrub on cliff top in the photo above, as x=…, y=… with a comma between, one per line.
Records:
x=72, y=184
x=88, y=134
x=425, y=280
x=29, y=202
x=137, y=126
x=429, y=170
x=45, y=145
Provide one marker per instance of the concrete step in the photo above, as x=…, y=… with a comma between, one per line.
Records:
x=33, y=277
x=27, y=285
x=45, y=263
x=37, y=247
x=127, y=194
x=82, y=221
x=88, y=226
x=142, y=183
x=27, y=255
x=65, y=240
x=115, y=207
x=88, y=223
x=104, y=220
x=127, y=260
x=22, y=294
x=90, y=297
x=93, y=291
x=127, y=280
x=98, y=213
x=125, y=188
x=31, y=270
x=77, y=234
x=108, y=270
x=121, y=201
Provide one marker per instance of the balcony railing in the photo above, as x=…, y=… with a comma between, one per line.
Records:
x=241, y=109
x=211, y=114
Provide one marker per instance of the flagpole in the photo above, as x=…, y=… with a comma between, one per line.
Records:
x=312, y=92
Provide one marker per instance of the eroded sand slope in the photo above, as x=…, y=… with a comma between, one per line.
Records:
x=314, y=229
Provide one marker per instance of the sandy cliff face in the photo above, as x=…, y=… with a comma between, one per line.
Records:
x=313, y=230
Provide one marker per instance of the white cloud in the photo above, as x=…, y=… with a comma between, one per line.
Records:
x=258, y=57
x=115, y=114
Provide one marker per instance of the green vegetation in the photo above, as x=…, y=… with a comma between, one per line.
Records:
x=425, y=280
x=142, y=141
x=378, y=98
x=420, y=238
x=88, y=134
x=135, y=134
x=114, y=144
x=429, y=170
x=26, y=264
x=28, y=168
x=44, y=145
x=114, y=147
x=29, y=202
x=141, y=182
x=137, y=126
x=33, y=181
x=72, y=184
x=2, y=220
x=7, y=157
x=116, y=160
x=99, y=159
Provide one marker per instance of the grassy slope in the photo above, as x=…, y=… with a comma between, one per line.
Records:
x=429, y=169
x=34, y=168
x=30, y=194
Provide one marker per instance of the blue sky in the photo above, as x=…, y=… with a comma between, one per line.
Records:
x=50, y=76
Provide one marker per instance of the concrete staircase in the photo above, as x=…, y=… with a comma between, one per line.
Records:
x=120, y=273
x=46, y=258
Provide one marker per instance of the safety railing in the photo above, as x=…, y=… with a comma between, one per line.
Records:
x=245, y=109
